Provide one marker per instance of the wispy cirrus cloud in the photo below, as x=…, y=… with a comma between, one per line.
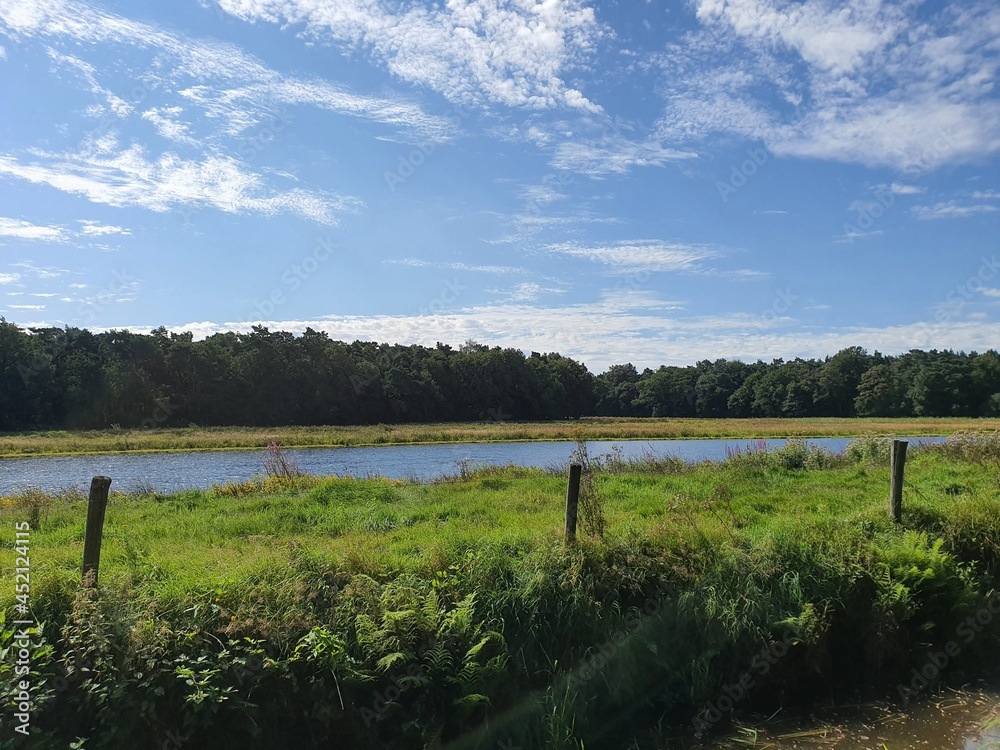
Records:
x=475, y=268
x=614, y=155
x=480, y=52
x=952, y=210
x=233, y=88
x=107, y=173
x=528, y=291
x=654, y=256
x=167, y=123
x=649, y=255
x=40, y=272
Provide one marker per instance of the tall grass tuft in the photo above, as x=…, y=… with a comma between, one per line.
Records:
x=278, y=464
x=592, y=518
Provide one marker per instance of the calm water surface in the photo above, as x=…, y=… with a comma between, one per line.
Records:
x=951, y=721
x=168, y=472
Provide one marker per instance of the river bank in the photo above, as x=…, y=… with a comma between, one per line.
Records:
x=175, y=471
x=292, y=612
x=588, y=428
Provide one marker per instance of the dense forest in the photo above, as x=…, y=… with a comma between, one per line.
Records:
x=73, y=378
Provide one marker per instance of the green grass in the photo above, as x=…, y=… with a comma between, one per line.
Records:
x=592, y=428
x=244, y=618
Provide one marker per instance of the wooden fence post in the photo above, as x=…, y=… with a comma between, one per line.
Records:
x=96, y=506
x=572, y=501
x=897, y=462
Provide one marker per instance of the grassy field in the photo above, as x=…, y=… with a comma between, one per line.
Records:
x=296, y=612
x=592, y=428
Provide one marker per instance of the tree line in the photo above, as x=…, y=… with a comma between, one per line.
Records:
x=73, y=378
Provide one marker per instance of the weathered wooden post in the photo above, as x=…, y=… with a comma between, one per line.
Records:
x=96, y=506
x=572, y=501
x=897, y=462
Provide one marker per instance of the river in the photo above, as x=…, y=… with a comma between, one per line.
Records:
x=950, y=721
x=171, y=472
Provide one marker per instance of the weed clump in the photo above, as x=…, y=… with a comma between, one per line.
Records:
x=977, y=447
x=277, y=463
x=873, y=450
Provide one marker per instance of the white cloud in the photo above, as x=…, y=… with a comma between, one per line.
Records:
x=648, y=255
x=113, y=104
x=951, y=210
x=989, y=292
x=9, y=278
x=615, y=155
x=417, y=263
x=653, y=256
x=475, y=51
x=541, y=194
x=105, y=173
x=28, y=231
x=26, y=307
x=528, y=291
x=864, y=81
x=228, y=83
x=96, y=229
x=3, y=53
x=629, y=327
x=856, y=234
x=901, y=189
x=41, y=272
x=167, y=124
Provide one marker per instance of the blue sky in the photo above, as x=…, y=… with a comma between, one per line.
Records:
x=654, y=182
